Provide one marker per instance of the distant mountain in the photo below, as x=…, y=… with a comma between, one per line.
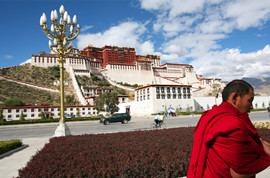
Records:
x=261, y=86
x=258, y=82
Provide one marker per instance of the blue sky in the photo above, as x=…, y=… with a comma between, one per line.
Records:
x=221, y=39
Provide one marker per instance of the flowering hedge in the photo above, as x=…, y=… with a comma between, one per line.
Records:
x=155, y=153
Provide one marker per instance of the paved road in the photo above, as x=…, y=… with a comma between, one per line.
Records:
x=94, y=127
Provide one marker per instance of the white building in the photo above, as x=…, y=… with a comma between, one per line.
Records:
x=33, y=112
x=158, y=98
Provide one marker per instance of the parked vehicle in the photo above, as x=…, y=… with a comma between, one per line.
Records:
x=117, y=117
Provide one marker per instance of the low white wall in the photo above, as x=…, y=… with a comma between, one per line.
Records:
x=205, y=103
x=200, y=103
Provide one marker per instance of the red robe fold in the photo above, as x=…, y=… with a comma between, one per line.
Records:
x=225, y=138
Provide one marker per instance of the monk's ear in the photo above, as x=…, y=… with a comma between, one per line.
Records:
x=234, y=98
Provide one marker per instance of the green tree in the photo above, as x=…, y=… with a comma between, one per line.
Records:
x=22, y=118
x=198, y=108
x=11, y=102
x=106, y=101
x=78, y=114
x=188, y=109
x=42, y=115
x=1, y=115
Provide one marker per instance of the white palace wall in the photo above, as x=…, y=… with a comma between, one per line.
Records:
x=128, y=74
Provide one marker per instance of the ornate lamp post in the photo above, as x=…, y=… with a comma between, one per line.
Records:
x=61, y=34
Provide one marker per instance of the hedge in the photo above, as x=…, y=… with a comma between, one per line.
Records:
x=36, y=121
x=8, y=145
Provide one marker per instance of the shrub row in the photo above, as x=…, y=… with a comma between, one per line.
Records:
x=155, y=153
x=8, y=145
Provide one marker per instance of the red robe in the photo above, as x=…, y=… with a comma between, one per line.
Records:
x=225, y=138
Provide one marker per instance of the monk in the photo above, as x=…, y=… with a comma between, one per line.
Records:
x=226, y=144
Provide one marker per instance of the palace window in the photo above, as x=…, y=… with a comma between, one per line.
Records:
x=174, y=96
x=163, y=96
x=179, y=96
x=157, y=89
x=184, y=96
x=168, y=90
x=158, y=96
x=162, y=89
x=169, y=96
x=184, y=90
x=173, y=89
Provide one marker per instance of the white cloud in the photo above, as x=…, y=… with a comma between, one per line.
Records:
x=85, y=28
x=127, y=34
x=247, y=13
x=232, y=64
x=192, y=29
x=8, y=56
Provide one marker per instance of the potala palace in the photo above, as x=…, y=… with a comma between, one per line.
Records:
x=163, y=86
x=122, y=65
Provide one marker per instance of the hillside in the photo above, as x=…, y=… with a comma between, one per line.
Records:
x=261, y=86
x=44, y=77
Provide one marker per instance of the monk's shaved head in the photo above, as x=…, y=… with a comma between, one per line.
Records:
x=236, y=86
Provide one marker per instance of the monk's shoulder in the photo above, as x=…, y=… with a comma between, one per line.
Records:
x=229, y=123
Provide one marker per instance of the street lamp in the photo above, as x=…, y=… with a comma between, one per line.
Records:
x=61, y=34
